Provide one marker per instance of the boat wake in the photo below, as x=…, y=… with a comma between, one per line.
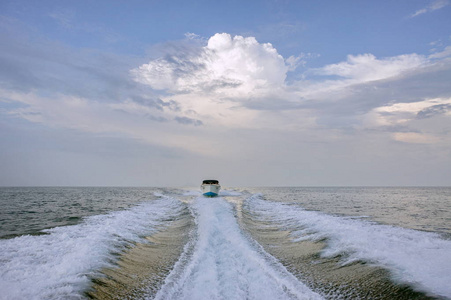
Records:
x=60, y=264
x=419, y=259
x=234, y=246
x=223, y=263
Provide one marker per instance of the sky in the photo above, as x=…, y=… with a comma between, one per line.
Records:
x=252, y=93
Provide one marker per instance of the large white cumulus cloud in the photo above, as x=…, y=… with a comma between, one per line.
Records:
x=236, y=65
x=241, y=68
x=237, y=82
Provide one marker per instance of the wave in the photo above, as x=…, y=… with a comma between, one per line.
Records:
x=222, y=263
x=421, y=259
x=60, y=264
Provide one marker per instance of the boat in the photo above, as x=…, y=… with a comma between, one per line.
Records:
x=210, y=187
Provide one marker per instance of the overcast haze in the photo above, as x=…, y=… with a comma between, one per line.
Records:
x=253, y=93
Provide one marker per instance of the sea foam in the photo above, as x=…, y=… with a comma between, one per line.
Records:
x=422, y=259
x=225, y=264
x=59, y=265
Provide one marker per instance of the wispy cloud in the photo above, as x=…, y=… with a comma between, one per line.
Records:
x=421, y=122
x=435, y=5
x=367, y=67
x=445, y=53
x=128, y=119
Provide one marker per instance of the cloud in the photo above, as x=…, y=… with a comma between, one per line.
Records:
x=435, y=5
x=137, y=109
x=298, y=61
x=243, y=69
x=253, y=75
x=196, y=92
x=192, y=36
x=421, y=122
x=239, y=83
x=434, y=110
x=127, y=119
x=414, y=107
x=415, y=138
x=237, y=66
x=188, y=121
x=445, y=53
x=366, y=67
x=142, y=104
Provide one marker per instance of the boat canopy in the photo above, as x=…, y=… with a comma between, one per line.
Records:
x=210, y=181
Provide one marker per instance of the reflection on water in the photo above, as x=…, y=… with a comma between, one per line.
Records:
x=29, y=210
x=420, y=208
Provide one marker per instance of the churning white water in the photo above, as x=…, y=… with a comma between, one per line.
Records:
x=225, y=264
x=59, y=265
x=220, y=257
x=421, y=259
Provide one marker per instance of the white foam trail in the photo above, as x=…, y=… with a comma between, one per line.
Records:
x=58, y=265
x=196, y=193
x=229, y=193
x=419, y=258
x=226, y=265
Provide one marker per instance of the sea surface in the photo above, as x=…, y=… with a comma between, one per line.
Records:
x=248, y=243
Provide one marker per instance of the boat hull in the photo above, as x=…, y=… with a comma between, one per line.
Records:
x=210, y=190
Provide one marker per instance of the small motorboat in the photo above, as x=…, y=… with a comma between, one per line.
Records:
x=210, y=188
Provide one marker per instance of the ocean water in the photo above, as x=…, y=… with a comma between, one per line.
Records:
x=248, y=243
